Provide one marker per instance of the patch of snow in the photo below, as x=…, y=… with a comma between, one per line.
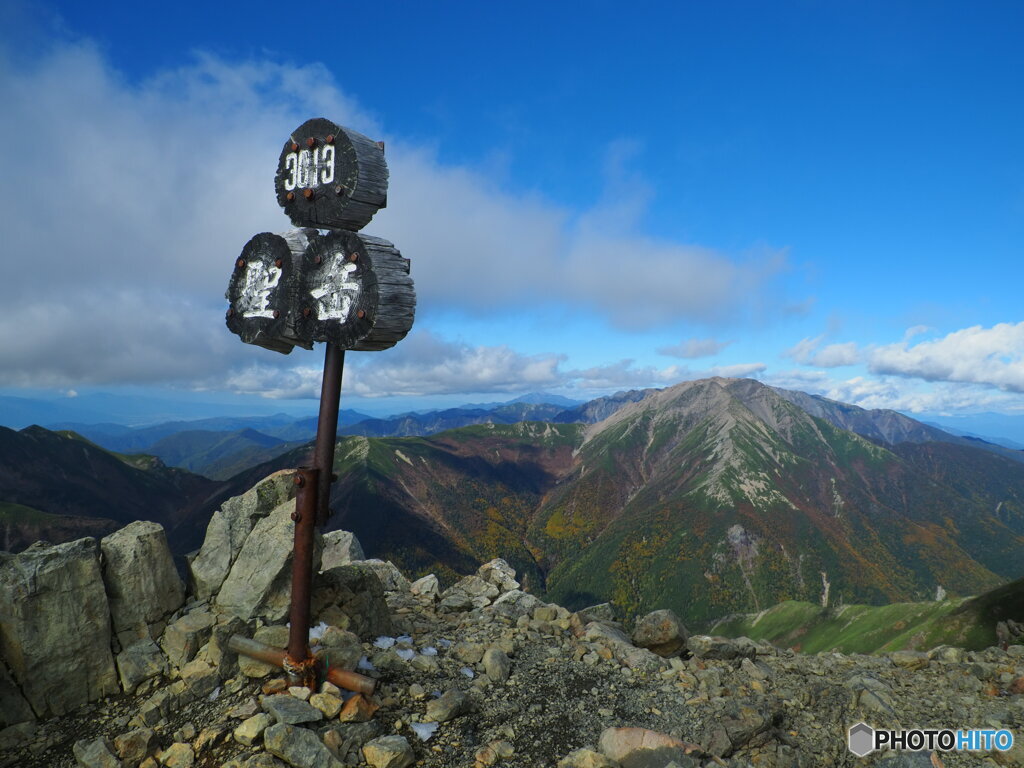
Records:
x=405, y=654
x=424, y=730
x=445, y=642
x=383, y=642
x=364, y=663
x=403, y=457
x=404, y=640
x=429, y=651
x=468, y=672
x=318, y=631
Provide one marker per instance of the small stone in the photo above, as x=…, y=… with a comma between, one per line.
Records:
x=450, y=705
x=330, y=688
x=417, y=691
x=326, y=703
x=178, y=755
x=249, y=731
x=300, y=692
x=911, y=660
x=209, y=738
x=633, y=745
x=247, y=708
x=277, y=685
x=358, y=709
x=586, y=758
x=135, y=746
x=95, y=753
x=291, y=711
x=497, y=664
x=428, y=586
x=389, y=752
x=299, y=747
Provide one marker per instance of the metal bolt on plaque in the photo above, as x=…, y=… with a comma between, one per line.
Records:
x=321, y=281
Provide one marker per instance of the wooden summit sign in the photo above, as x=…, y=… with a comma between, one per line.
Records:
x=330, y=176
x=310, y=284
x=320, y=282
x=342, y=288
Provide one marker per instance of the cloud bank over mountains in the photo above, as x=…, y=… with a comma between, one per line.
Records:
x=132, y=200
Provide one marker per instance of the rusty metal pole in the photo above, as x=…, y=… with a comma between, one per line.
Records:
x=327, y=427
x=311, y=509
x=299, y=666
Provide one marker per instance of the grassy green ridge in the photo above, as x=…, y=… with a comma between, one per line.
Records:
x=966, y=622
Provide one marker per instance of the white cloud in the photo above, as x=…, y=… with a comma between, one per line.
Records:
x=422, y=364
x=121, y=231
x=990, y=356
x=807, y=352
x=689, y=349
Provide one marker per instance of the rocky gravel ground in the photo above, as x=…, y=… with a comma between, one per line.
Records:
x=484, y=674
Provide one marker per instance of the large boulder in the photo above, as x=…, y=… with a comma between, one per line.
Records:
x=143, y=587
x=661, y=632
x=229, y=528
x=260, y=580
x=352, y=597
x=55, y=625
x=13, y=706
x=340, y=548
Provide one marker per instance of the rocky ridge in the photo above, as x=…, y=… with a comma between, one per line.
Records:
x=480, y=674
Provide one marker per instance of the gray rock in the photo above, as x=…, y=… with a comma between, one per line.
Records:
x=139, y=662
x=497, y=665
x=95, y=753
x=707, y=647
x=389, y=575
x=586, y=758
x=55, y=625
x=389, y=752
x=341, y=648
x=13, y=706
x=200, y=678
x=135, y=746
x=230, y=526
x=909, y=659
x=291, y=711
x=450, y=705
x=249, y=731
x=604, y=612
x=500, y=574
x=183, y=639
x=661, y=632
x=298, y=747
x=259, y=582
x=354, y=595
x=143, y=587
x=428, y=586
x=14, y=736
x=340, y=548
x=514, y=604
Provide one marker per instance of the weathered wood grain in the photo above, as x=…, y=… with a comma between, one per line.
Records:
x=331, y=177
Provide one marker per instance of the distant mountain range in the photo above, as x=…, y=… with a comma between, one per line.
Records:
x=710, y=497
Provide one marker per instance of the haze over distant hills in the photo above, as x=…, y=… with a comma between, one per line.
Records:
x=711, y=497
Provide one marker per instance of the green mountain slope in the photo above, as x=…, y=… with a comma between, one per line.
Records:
x=962, y=622
x=717, y=494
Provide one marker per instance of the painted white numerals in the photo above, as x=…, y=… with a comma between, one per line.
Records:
x=309, y=168
x=336, y=294
x=260, y=280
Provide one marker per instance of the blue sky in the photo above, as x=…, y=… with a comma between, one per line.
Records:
x=826, y=196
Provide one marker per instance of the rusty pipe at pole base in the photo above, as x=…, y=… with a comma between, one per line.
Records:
x=350, y=681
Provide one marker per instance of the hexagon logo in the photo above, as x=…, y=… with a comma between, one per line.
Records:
x=861, y=739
